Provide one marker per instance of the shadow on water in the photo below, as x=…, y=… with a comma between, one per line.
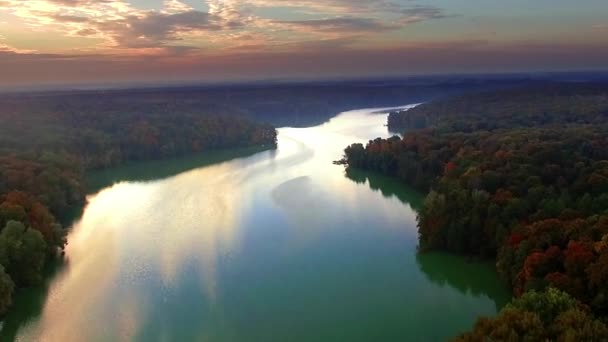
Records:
x=28, y=303
x=474, y=277
x=444, y=269
x=387, y=186
x=163, y=168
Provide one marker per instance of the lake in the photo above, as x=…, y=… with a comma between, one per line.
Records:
x=277, y=245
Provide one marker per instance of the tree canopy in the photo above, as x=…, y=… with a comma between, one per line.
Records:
x=48, y=142
x=518, y=175
x=550, y=315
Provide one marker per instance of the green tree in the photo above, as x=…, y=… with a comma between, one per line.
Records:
x=511, y=325
x=578, y=325
x=548, y=304
x=7, y=287
x=23, y=252
x=551, y=315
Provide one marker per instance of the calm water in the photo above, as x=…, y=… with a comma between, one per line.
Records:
x=271, y=246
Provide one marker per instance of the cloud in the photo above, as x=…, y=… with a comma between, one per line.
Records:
x=343, y=24
x=340, y=7
x=118, y=25
x=243, y=38
x=65, y=14
x=600, y=27
x=86, y=32
x=421, y=13
x=360, y=24
x=121, y=25
x=5, y=48
x=175, y=6
x=311, y=59
x=69, y=18
x=155, y=29
x=74, y=3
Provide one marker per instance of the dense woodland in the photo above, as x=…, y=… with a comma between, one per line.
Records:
x=520, y=176
x=44, y=154
x=531, y=106
x=48, y=140
x=289, y=104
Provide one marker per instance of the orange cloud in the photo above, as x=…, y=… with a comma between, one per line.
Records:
x=113, y=39
x=179, y=27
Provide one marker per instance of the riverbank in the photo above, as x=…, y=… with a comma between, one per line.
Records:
x=519, y=176
x=44, y=158
x=282, y=236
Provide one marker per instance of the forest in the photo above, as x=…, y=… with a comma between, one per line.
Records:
x=529, y=106
x=294, y=104
x=44, y=154
x=518, y=175
x=49, y=140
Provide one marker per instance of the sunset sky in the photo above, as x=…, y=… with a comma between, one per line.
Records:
x=101, y=41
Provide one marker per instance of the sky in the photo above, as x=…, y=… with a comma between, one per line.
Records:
x=112, y=41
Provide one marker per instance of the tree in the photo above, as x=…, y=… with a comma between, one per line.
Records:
x=547, y=305
x=7, y=287
x=355, y=155
x=578, y=256
x=540, y=158
x=578, y=325
x=23, y=252
x=19, y=206
x=511, y=325
x=551, y=315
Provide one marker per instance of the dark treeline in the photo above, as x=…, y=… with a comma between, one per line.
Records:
x=294, y=105
x=531, y=193
x=45, y=151
x=539, y=105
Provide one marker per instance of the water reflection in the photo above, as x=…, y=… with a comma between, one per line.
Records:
x=278, y=245
x=163, y=168
x=447, y=270
x=388, y=186
x=475, y=278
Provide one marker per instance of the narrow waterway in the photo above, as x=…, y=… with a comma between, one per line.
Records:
x=275, y=246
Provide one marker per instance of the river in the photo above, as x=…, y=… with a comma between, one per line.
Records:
x=276, y=245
